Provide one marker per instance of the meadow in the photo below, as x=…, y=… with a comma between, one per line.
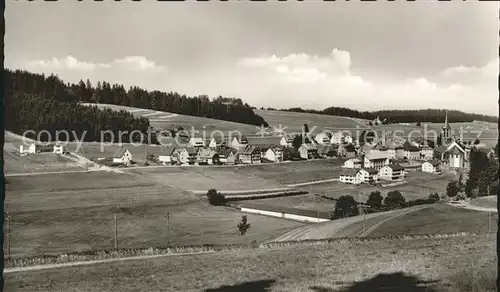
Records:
x=67, y=212
x=428, y=263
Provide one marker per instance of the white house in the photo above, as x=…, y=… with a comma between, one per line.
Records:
x=239, y=142
x=322, y=138
x=392, y=172
x=375, y=160
x=368, y=175
x=348, y=139
x=431, y=166
x=286, y=141
x=353, y=163
x=59, y=148
x=165, y=156
x=426, y=152
x=453, y=155
x=215, y=142
x=308, y=151
x=337, y=138
x=180, y=155
x=249, y=155
x=196, y=142
x=411, y=152
x=274, y=154
x=122, y=156
x=351, y=176
x=30, y=149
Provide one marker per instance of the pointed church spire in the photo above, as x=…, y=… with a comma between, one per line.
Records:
x=446, y=120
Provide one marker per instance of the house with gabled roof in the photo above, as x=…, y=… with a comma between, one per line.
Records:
x=392, y=172
x=249, y=155
x=308, y=151
x=337, y=138
x=195, y=142
x=350, y=176
x=431, y=166
x=122, y=155
x=216, y=141
x=368, y=175
x=286, y=141
x=426, y=152
x=180, y=156
x=353, y=163
x=326, y=151
x=207, y=156
x=375, y=160
x=239, y=142
x=274, y=154
x=227, y=155
x=192, y=154
x=322, y=138
x=165, y=156
x=452, y=155
x=346, y=150
x=411, y=152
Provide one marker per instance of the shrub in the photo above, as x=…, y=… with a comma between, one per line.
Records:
x=452, y=189
x=434, y=197
x=243, y=226
x=394, y=199
x=215, y=198
x=375, y=200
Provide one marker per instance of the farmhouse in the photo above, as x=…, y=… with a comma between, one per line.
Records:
x=286, y=213
x=196, y=142
x=239, y=142
x=249, y=155
x=227, y=156
x=274, y=154
x=353, y=163
x=192, y=154
x=286, y=141
x=180, y=156
x=165, y=156
x=351, y=176
x=347, y=139
x=31, y=149
x=431, y=166
x=426, y=152
x=59, y=148
x=337, y=138
x=207, y=156
x=123, y=156
x=369, y=175
x=376, y=161
x=216, y=142
x=346, y=150
x=308, y=151
x=322, y=138
x=327, y=150
x=392, y=172
x=411, y=152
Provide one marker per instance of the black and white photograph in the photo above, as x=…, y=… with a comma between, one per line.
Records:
x=226, y=146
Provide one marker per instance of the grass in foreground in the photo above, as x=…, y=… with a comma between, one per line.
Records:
x=412, y=264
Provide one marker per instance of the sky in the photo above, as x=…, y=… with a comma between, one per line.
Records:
x=366, y=56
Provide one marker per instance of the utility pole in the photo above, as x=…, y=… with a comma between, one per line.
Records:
x=168, y=228
x=116, y=232
x=8, y=235
x=489, y=222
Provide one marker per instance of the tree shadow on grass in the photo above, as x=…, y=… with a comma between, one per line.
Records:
x=394, y=282
x=256, y=286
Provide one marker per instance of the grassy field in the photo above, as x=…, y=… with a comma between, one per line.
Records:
x=441, y=218
x=68, y=212
x=418, y=186
x=486, y=202
x=40, y=162
x=413, y=264
x=306, y=202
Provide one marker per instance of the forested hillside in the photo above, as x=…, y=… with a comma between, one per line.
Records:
x=34, y=102
x=228, y=109
x=400, y=116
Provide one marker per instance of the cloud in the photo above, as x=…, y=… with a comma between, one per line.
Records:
x=298, y=79
x=138, y=63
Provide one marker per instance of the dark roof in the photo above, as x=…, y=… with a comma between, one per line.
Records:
x=349, y=172
x=249, y=149
x=226, y=151
x=192, y=150
x=350, y=148
x=409, y=147
x=441, y=149
x=370, y=170
x=288, y=210
x=206, y=153
x=326, y=149
x=396, y=167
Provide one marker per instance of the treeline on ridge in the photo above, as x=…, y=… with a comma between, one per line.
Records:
x=228, y=109
x=34, y=102
x=399, y=116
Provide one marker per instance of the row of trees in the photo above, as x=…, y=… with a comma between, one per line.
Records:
x=400, y=116
x=229, y=109
x=24, y=112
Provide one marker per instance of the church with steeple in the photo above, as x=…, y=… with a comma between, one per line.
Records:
x=451, y=152
x=446, y=137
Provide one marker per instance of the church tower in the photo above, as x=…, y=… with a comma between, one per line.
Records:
x=446, y=133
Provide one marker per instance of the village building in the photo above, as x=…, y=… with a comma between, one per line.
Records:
x=274, y=154
x=59, y=148
x=346, y=150
x=453, y=155
x=216, y=141
x=351, y=176
x=31, y=149
x=426, y=152
x=337, y=138
x=322, y=138
x=392, y=172
x=286, y=141
x=376, y=161
x=123, y=156
x=365, y=149
x=239, y=142
x=192, y=154
x=195, y=142
x=368, y=175
x=165, y=156
x=380, y=149
x=249, y=155
x=348, y=139
x=308, y=151
x=411, y=152
x=353, y=163
x=431, y=166
x=326, y=151
x=180, y=156
x=227, y=156
x=446, y=137
x=207, y=156
x=265, y=142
